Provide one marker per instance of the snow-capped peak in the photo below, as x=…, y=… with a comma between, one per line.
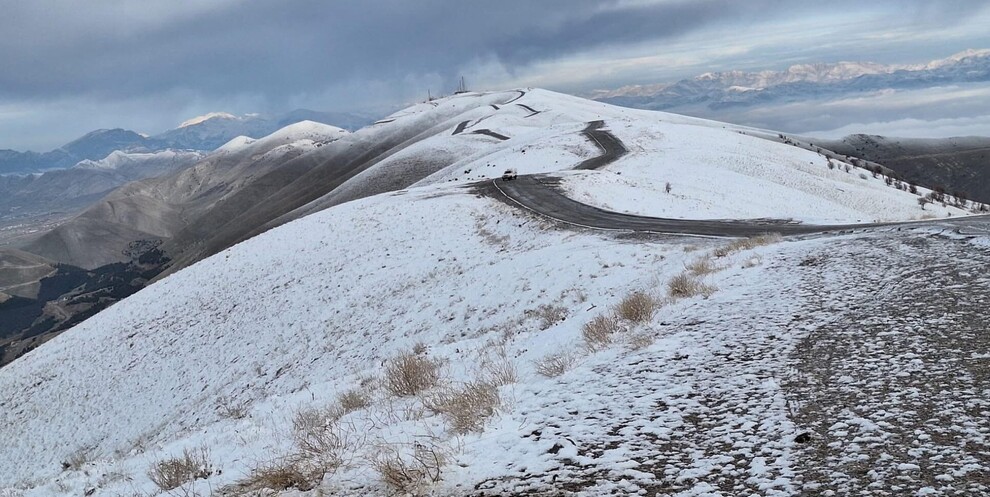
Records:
x=957, y=58
x=237, y=143
x=306, y=130
x=206, y=117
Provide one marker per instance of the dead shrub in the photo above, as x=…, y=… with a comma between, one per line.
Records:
x=323, y=442
x=278, y=476
x=467, y=407
x=410, y=373
x=725, y=250
x=550, y=315
x=747, y=244
x=409, y=473
x=765, y=239
x=310, y=419
x=685, y=286
x=598, y=333
x=702, y=266
x=500, y=370
x=230, y=408
x=76, y=460
x=638, y=307
x=553, y=365
x=171, y=473
x=352, y=400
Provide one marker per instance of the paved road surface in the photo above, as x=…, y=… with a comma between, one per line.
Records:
x=612, y=147
x=542, y=195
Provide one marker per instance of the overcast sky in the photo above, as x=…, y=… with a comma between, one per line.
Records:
x=67, y=66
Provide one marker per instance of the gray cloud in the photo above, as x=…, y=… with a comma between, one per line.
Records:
x=283, y=46
x=275, y=53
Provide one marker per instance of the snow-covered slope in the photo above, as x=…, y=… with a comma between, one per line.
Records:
x=716, y=171
x=239, y=352
x=477, y=135
x=723, y=171
x=713, y=174
x=295, y=316
x=223, y=356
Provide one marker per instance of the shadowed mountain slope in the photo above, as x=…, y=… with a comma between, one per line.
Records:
x=959, y=164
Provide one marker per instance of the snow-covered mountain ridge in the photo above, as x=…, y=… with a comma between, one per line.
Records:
x=720, y=89
x=242, y=353
x=118, y=160
x=203, y=133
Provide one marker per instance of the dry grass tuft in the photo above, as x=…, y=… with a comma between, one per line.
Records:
x=702, y=266
x=467, y=407
x=638, y=307
x=323, y=442
x=278, y=476
x=409, y=474
x=500, y=370
x=598, y=333
x=550, y=315
x=171, y=473
x=353, y=400
x=553, y=365
x=78, y=459
x=747, y=244
x=231, y=409
x=310, y=419
x=411, y=373
x=685, y=286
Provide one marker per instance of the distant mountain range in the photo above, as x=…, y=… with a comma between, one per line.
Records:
x=67, y=190
x=203, y=133
x=720, y=90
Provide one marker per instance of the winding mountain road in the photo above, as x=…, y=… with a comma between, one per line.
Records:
x=612, y=147
x=541, y=193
